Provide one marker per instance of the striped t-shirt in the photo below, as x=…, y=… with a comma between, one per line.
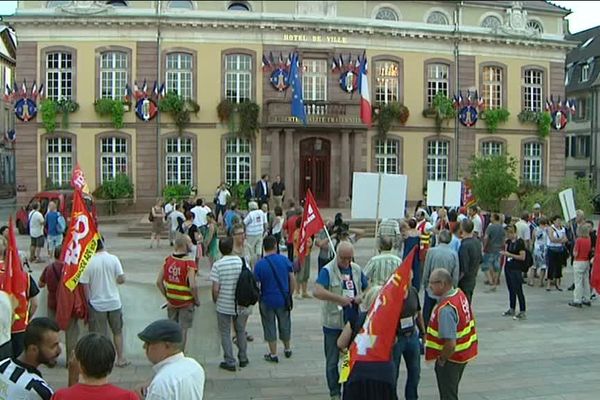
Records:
x=226, y=272
x=22, y=382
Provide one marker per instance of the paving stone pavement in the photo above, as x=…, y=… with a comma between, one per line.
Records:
x=553, y=355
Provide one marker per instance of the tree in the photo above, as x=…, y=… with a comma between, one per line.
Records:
x=493, y=179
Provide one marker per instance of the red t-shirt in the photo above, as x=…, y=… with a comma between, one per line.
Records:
x=51, y=277
x=583, y=247
x=80, y=391
x=290, y=227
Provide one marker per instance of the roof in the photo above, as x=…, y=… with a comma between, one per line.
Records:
x=536, y=5
x=588, y=52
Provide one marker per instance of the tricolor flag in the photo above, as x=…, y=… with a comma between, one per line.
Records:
x=365, y=96
x=7, y=93
x=595, y=279
x=377, y=336
x=13, y=279
x=127, y=92
x=162, y=91
x=312, y=223
x=34, y=90
x=265, y=63
x=24, y=88
x=155, y=89
x=78, y=181
x=144, y=86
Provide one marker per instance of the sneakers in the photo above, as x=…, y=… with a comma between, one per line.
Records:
x=271, y=358
x=520, y=316
x=244, y=363
x=576, y=305
x=288, y=353
x=227, y=367
x=508, y=313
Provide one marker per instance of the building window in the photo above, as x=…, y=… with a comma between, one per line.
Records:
x=238, y=77
x=532, y=88
x=491, y=21
x=386, y=82
x=59, y=161
x=493, y=78
x=437, y=160
x=239, y=6
x=535, y=26
x=387, y=14
x=580, y=146
x=491, y=148
x=179, y=74
x=113, y=157
x=585, y=72
x=113, y=74
x=437, y=18
x=117, y=3
x=238, y=159
x=57, y=3
x=59, y=75
x=532, y=163
x=386, y=156
x=437, y=80
x=179, y=161
x=181, y=4
x=581, y=108
x=314, y=80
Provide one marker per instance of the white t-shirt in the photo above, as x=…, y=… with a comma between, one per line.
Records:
x=226, y=272
x=36, y=224
x=6, y=312
x=277, y=225
x=200, y=215
x=477, y=224
x=255, y=223
x=101, y=277
x=169, y=208
x=222, y=196
x=177, y=377
x=173, y=218
x=523, y=231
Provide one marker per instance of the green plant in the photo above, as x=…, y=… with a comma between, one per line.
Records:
x=48, y=110
x=493, y=178
x=542, y=120
x=238, y=195
x=224, y=110
x=114, y=108
x=548, y=198
x=177, y=192
x=390, y=113
x=493, y=117
x=442, y=109
x=66, y=107
x=242, y=118
x=120, y=187
x=179, y=108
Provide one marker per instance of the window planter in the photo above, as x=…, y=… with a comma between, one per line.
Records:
x=114, y=108
x=50, y=108
x=179, y=108
x=543, y=121
x=493, y=117
x=442, y=109
x=241, y=117
x=388, y=114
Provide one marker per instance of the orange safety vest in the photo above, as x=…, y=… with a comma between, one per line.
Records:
x=466, y=335
x=175, y=280
x=21, y=318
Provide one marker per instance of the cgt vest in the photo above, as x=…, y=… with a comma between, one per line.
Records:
x=466, y=336
x=425, y=239
x=332, y=315
x=175, y=281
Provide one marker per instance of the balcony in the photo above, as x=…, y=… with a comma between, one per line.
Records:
x=319, y=114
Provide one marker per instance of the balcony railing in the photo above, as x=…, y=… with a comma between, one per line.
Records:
x=318, y=114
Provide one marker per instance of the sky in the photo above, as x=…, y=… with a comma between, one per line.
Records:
x=584, y=16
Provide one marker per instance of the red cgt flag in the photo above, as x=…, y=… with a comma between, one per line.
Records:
x=378, y=334
x=312, y=223
x=595, y=279
x=14, y=279
x=78, y=181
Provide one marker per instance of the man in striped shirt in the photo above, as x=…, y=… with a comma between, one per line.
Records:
x=390, y=228
x=382, y=266
x=20, y=377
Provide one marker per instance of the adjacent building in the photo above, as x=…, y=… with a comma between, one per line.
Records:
x=512, y=53
x=8, y=48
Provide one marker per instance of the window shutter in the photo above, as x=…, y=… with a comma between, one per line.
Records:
x=567, y=145
x=573, y=146
x=588, y=143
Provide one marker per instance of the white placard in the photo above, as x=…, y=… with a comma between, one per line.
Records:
x=392, y=196
x=444, y=193
x=567, y=202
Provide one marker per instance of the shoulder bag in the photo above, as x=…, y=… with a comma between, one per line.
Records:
x=287, y=297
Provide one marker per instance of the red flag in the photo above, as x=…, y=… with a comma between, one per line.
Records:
x=595, y=280
x=312, y=223
x=378, y=334
x=14, y=279
x=468, y=199
x=78, y=181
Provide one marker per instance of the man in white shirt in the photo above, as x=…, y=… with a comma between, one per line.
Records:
x=173, y=220
x=523, y=230
x=7, y=307
x=36, y=232
x=175, y=375
x=222, y=197
x=200, y=212
x=101, y=279
x=477, y=223
x=168, y=209
x=255, y=228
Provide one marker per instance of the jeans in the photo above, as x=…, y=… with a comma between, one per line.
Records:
x=581, y=279
x=448, y=377
x=219, y=209
x=428, y=305
x=408, y=347
x=514, y=283
x=332, y=357
x=239, y=323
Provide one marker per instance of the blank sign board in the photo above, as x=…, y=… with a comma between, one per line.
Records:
x=444, y=193
x=567, y=202
x=392, y=195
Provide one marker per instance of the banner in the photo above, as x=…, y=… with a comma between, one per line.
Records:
x=13, y=279
x=80, y=242
x=78, y=181
x=468, y=199
x=312, y=223
x=378, y=334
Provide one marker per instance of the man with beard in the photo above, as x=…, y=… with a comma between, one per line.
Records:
x=20, y=377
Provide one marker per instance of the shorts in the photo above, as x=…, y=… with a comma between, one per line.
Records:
x=100, y=321
x=491, y=260
x=37, y=242
x=273, y=320
x=184, y=316
x=54, y=241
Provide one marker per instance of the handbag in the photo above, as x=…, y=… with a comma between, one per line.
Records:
x=287, y=297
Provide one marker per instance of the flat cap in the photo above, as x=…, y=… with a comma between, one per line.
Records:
x=536, y=206
x=163, y=330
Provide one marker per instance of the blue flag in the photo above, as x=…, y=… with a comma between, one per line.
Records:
x=296, y=85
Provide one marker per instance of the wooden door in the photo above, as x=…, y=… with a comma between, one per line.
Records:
x=315, y=158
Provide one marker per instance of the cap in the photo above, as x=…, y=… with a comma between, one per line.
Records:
x=163, y=330
x=537, y=205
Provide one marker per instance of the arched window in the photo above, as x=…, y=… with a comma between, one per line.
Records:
x=492, y=85
x=533, y=163
x=179, y=161
x=437, y=160
x=533, y=87
x=535, y=26
x=113, y=74
x=437, y=18
x=59, y=75
x=238, y=77
x=238, y=6
x=437, y=80
x=113, y=157
x=386, y=82
x=491, y=21
x=181, y=4
x=387, y=155
x=179, y=74
x=117, y=3
x=57, y=3
x=59, y=161
x=238, y=160
x=386, y=13
x=491, y=148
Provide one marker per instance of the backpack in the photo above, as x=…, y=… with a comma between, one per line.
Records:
x=61, y=224
x=246, y=290
x=528, y=262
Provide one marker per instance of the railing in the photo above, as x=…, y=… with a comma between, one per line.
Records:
x=318, y=113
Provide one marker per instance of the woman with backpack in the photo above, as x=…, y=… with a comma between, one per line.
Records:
x=513, y=271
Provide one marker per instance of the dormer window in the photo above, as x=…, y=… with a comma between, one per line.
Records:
x=387, y=14
x=585, y=72
x=117, y=3
x=239, y=6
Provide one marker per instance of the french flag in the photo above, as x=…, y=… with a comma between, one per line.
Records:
x=366, y=115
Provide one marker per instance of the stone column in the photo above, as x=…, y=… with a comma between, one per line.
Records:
x=275, y=156
x=290, y=187
x=344, y=168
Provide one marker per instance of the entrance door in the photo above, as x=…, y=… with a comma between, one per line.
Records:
x=315, y=156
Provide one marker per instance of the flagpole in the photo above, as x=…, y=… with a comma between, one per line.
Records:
x=331, y=246
x=377, y=211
